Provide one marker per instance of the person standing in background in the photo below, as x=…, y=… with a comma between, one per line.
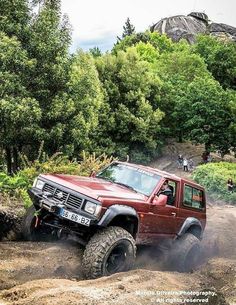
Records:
x=230, y=185
x=185, y=164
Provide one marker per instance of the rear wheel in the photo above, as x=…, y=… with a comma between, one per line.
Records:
x=185, y=255
x=109, y=251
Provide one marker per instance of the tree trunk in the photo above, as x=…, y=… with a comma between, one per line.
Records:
x=15, y=160
x=208, y=147
x=180, y=137
x=8, y=159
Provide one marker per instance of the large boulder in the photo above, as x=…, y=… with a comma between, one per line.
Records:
x=223, y=31
x=188, y=27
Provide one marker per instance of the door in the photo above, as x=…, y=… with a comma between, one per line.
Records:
x=162, y=219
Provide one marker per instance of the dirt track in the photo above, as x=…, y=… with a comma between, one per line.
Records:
x=49, y=273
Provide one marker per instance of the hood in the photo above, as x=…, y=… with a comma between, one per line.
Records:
x=94, y=187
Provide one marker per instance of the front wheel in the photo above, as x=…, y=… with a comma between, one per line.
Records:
x=109, y=251
x=30, y=229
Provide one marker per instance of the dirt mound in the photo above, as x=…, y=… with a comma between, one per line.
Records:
x=124, y=288
x=50, y=273
x=21, y=262
x=134, y=287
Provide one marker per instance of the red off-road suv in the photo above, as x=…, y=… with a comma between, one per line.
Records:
x=116, y=209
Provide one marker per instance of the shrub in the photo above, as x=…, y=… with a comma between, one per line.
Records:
x=17, y=185
x=214, y=177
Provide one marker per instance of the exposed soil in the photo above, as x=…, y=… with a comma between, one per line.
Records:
x=50, y=273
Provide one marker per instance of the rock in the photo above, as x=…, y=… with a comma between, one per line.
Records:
x=178, y=27
x=10, y=226
x=223, y=30
x=188, y=27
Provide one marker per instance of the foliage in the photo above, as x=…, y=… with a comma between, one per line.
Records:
x=17, y=185
x=160, y=42
x=132, y=121
x=214, y=177
x=95, y=52
x=125, y=102
x=15, y=18
x=16, y=102
x=220, y=57
x=128, y=28
x=208, y=114
x=34, y=68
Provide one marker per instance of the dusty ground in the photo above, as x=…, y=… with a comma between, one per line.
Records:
x=50, y=273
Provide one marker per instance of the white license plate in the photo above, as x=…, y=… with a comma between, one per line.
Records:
x=75, y=217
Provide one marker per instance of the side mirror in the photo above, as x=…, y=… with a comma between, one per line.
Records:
x=92, y=174
x=161, y=200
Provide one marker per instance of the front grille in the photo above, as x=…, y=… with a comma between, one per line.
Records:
x=71, y=201
x=60, y=195
x=49, y=188
x=74, y=202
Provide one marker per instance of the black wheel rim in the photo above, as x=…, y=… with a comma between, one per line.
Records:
x=116, y=259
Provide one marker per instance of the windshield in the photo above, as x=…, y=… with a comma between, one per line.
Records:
x=134, y=178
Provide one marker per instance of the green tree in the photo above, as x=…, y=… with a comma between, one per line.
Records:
x=49, y=42
x=208, y=116
x=160, y=42
x=220, y=57
x=76, y=109
x=19, y=111
x=133, y=118
x=35, y=68
x=128, y=28
x=232, y=128
x=177, y=70
x=15, y=19
x=96, y=52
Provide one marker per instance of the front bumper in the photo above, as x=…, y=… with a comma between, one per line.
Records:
x=47, y=202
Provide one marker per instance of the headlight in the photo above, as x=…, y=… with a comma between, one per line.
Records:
x=92, y=208
x=38, y=184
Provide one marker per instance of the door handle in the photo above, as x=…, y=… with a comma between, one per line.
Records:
x=173, y=213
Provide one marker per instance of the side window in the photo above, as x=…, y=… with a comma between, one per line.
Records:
x=169, y=188
x=193, y=197
x=172, y=186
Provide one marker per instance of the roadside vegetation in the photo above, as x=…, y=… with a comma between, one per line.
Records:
x=214, y=177
x=15, y=187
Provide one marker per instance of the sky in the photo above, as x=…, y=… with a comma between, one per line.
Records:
x=98, y=23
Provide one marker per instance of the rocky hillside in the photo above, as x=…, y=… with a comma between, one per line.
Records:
x=187, y=27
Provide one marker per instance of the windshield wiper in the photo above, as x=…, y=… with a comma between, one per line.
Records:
x=120, y=183
x=126, y=185
x=104, y=178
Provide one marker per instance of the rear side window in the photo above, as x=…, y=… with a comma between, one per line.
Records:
x=193, y=197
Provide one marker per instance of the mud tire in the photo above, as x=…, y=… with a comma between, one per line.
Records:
x=186, y=252
x=29, y=231
x=109, y=251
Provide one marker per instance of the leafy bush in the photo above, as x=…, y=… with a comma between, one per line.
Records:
x=214, y=177
x=17, y=185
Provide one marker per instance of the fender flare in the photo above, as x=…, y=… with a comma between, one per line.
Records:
x=190, y=221
x=116, y=210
